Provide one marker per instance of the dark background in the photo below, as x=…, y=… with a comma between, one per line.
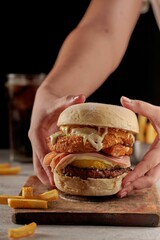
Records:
x=31, y=37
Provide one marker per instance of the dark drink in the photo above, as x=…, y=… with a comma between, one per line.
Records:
x=21, y=91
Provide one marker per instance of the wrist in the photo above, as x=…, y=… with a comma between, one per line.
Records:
x=47, y=90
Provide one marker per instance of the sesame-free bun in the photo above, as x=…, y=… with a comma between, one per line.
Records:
x=100, y=115
x=89, y=187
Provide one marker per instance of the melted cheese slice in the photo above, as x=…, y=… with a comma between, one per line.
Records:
x=84, y=163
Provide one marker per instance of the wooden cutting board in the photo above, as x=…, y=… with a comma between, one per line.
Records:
x=140, y=209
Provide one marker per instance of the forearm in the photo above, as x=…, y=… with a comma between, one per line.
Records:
x=84, y=62
x=92, y=51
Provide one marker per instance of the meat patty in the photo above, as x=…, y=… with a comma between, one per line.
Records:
x=85, y=173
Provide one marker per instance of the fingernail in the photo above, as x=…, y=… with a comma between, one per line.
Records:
x=72, y=98
x=75, y=97
x=123, y=194
x=127, y=100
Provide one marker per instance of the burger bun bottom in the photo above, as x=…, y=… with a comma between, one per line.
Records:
x=89, y=187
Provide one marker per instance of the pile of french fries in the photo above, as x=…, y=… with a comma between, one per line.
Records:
x=27, y=200
x=147, y=133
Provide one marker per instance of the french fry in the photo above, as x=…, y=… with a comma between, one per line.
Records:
x=142, y=127
x=27, y=192
x=4, y=198
x=49, y=195
x=23, y=231
x=5, y=165
x=150, y=134
x=146, y=133
x=27, y=203
x=10, y=170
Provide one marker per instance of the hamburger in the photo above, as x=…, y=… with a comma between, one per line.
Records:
x=90, y=153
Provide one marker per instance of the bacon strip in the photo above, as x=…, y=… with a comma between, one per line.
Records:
x=48, y=158
x=57, y=159
x=52, y=158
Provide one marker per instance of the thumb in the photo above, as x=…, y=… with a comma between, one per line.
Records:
x=140, y=107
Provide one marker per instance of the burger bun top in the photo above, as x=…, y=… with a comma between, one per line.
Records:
x=99, y=115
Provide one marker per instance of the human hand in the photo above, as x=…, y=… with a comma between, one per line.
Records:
x=147, y=172
x=46, y=110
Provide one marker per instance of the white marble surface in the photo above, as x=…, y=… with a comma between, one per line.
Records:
x=13, y=184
